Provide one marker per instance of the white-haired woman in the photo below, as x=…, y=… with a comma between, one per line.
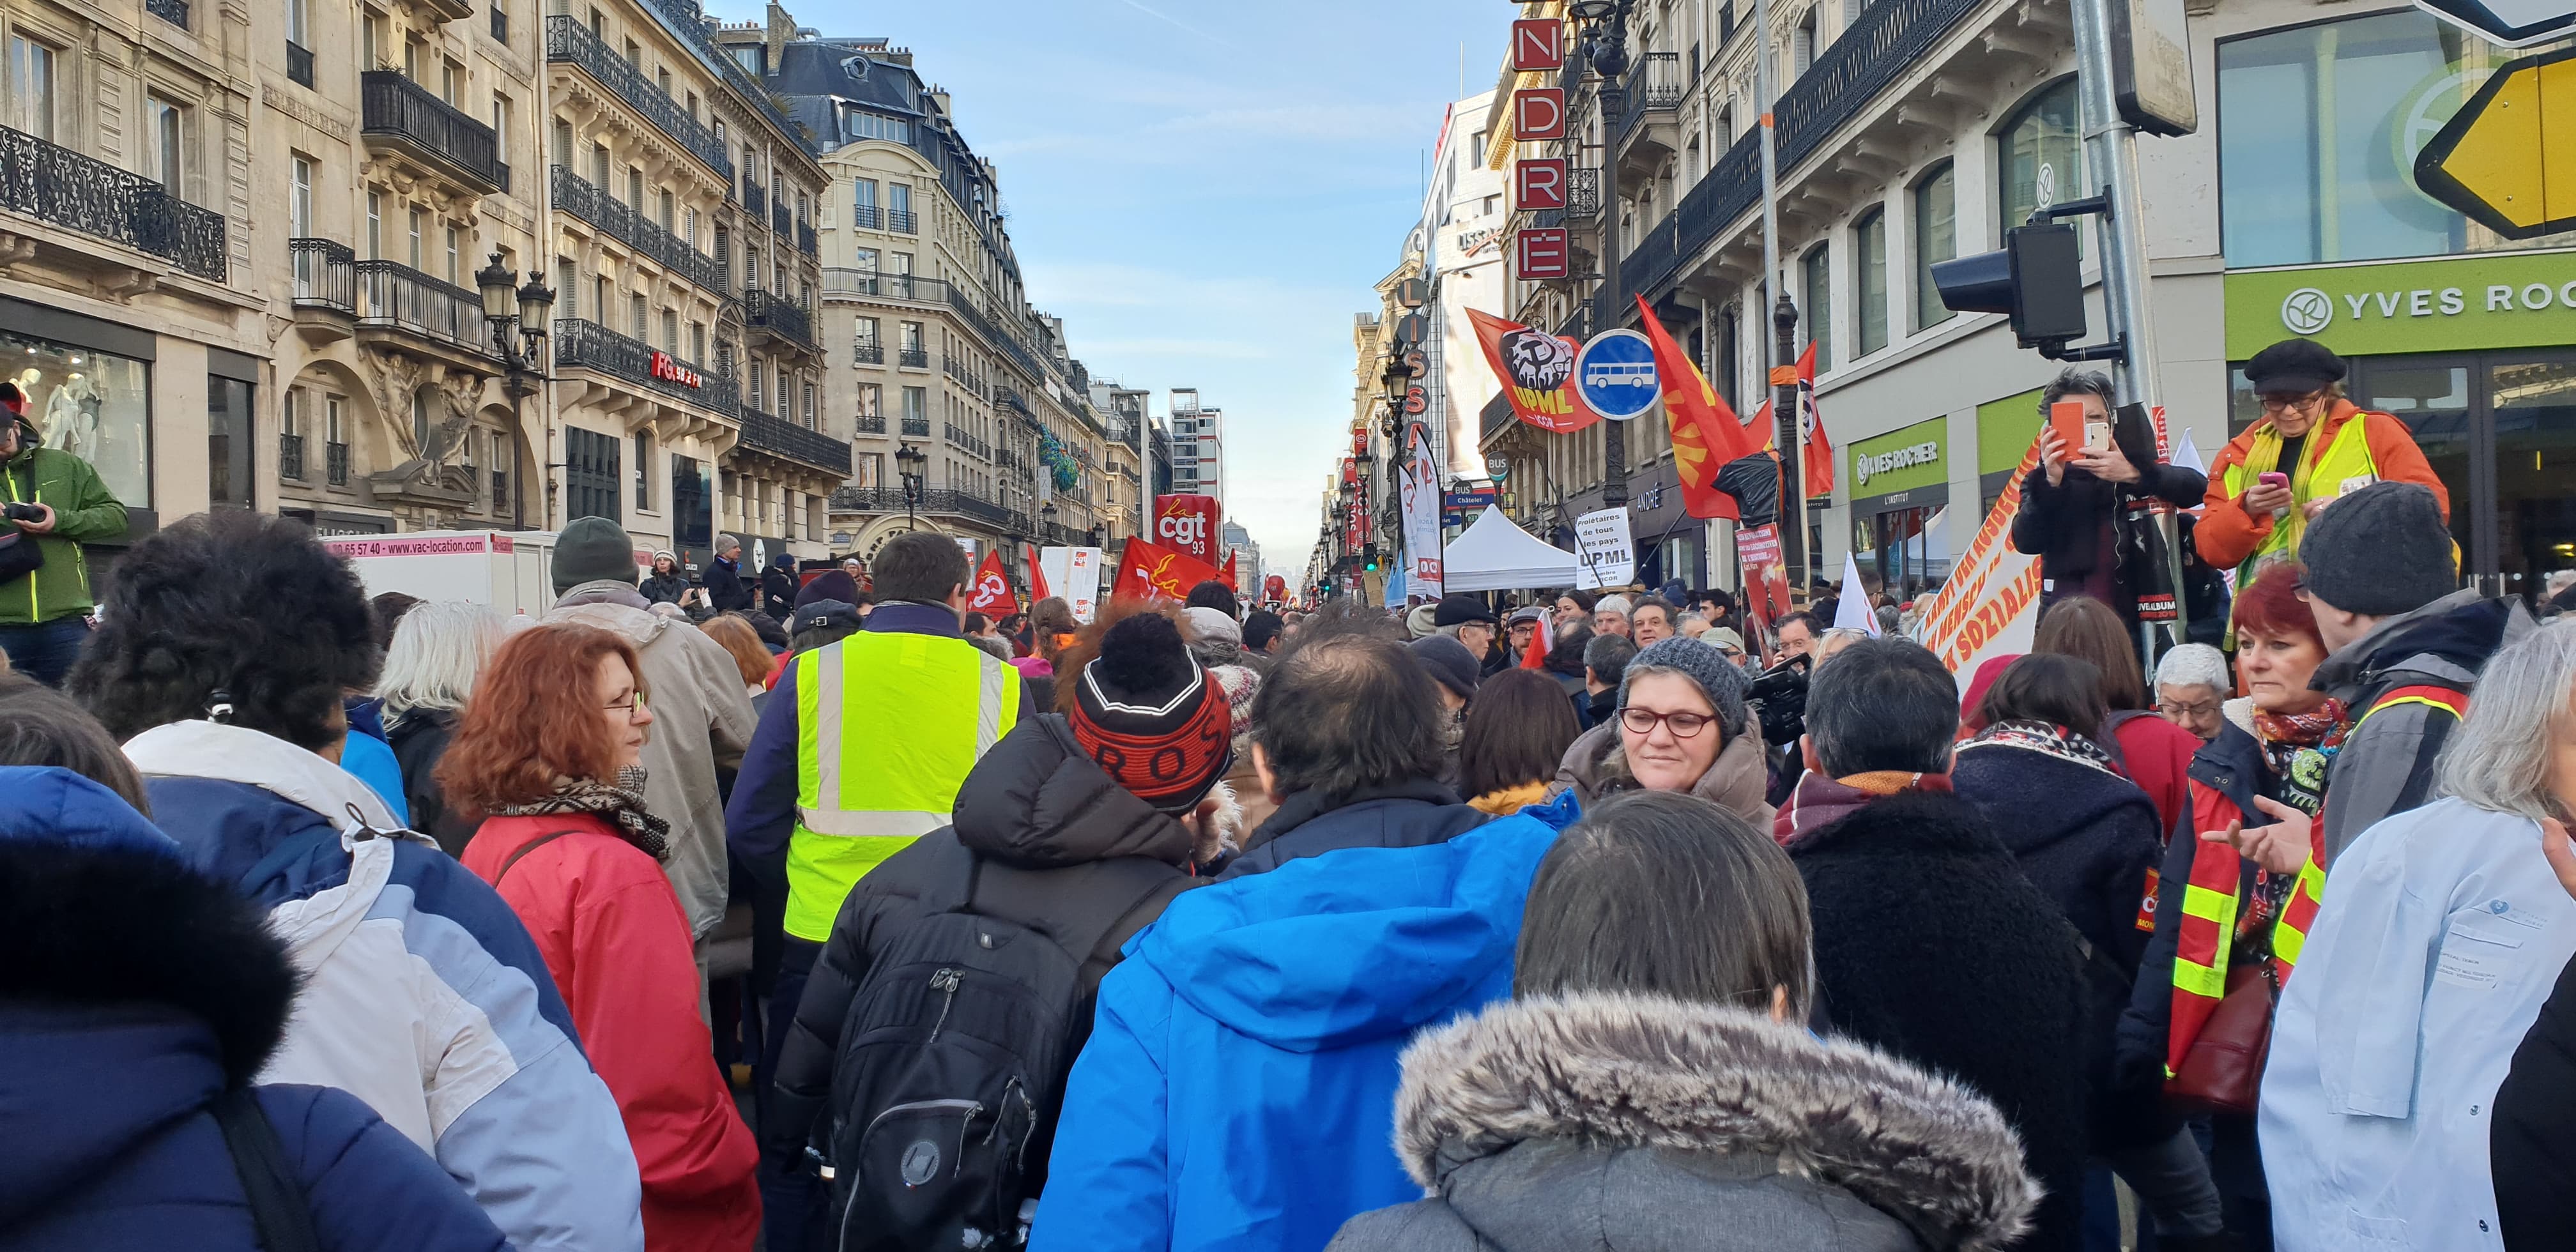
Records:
x=2442, y=933
x=2191, y=688
x=429, y=672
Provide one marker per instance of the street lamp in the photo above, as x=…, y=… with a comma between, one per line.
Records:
x=1605, y=49
x=1046, y=518
x=909, y=462
x=522, y=355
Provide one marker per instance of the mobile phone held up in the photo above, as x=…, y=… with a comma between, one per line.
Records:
x=2276, y=478
x=2066, y=417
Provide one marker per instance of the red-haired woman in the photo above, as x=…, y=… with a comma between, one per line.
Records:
x=548, y=754
x=2234, y=904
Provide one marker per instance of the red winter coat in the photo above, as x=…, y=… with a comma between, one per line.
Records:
x=2157, y=756
x=612, y=933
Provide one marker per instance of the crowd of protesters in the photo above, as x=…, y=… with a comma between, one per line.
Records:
x=847, y=918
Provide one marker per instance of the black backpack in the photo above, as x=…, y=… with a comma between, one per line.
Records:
x=953, y=1059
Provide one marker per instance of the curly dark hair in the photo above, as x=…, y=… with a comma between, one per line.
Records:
x=238, y=602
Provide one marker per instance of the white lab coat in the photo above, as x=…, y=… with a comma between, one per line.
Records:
x=2442, y=932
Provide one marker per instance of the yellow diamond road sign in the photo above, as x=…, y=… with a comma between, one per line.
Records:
x=2507, y=159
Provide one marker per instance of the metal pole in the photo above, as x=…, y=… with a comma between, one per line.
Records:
x=1614, y=435
x=2111, y=145
x=1784, y=318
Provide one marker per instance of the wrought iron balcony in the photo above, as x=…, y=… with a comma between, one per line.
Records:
x=1656, y=85
x=396, y=297
x=290, y=457
x=991, y=333
x=575, y=195
x=865, y=217
x=890, y=500
x=778, y=315
x=780, y=438
x=872, y=425
x=299, y=63
x=755, y=201
x=840, y=282
x=397, y=112
x=901, y=221
x=780, y=219
x=915, y=358
x=174, y=12
x=1583, y=192
x=588, y=345
x=963, y=374
x=807, y=241
x=568, y=40
x=960, y=437
x=918, y=427
x=58, y=186
x=326, y=275
x=335, y=460
x=870, y=354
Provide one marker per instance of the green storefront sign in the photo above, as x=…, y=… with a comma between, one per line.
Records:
x=2491, y=300
x=2004, y=430
x=1901, y=460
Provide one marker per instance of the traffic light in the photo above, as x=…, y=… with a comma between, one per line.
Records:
x=1368, y=558
x=2036, y=279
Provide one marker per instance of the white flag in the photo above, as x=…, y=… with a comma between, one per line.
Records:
x=2188, y=455
x=1854, y=608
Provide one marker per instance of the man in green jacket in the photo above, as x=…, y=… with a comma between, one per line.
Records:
x=44, y=615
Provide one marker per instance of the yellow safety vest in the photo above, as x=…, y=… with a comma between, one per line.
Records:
x=887, y=726
x=2325, y=471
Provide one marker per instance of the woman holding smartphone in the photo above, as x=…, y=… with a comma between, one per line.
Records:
x=2075, y=504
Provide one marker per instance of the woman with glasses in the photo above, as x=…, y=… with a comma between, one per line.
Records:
x=1680, y=725
x=2310, y=448
x=550, y=753
x=2191, y=684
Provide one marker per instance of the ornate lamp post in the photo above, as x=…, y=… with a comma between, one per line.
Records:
x=1605, y=48
x=909, y=463
x=522, y=355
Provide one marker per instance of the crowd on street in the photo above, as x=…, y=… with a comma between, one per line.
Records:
x=806, y=909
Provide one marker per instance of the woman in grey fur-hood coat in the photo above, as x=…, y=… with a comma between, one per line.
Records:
x=1592, y=1122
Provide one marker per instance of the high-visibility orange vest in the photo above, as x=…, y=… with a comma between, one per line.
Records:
x=2209, y=904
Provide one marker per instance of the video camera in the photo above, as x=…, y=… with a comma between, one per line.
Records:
x=1778, y=698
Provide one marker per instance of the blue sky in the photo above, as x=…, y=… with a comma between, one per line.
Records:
x=1205, y=190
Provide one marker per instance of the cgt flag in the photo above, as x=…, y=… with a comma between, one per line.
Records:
x=993, y=596
x=1151, y=570
x=1537, y=371
x=1707, y=436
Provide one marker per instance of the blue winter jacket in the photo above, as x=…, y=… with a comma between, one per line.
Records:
x=1238, y=1091
x=134, y=991
x=423, y=994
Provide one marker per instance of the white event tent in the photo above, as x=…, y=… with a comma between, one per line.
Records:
x=1494, y=555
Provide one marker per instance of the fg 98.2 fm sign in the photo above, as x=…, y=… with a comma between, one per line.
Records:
x=1189, y=523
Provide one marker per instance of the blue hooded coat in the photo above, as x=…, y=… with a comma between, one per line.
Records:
x=1238, y=1091
x=132, y=991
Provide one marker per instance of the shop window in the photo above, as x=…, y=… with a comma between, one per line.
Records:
x=94, y=405
x=2318, y=129
x=1869, y=282
x=1816, y=271
x=2038, y=155
x=1936, y=238
x=230, y=449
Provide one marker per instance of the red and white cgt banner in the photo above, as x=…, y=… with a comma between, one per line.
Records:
x=1189, y=523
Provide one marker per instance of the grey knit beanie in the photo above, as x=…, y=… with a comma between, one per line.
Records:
x=591, y=550
x=2380, y=551
x=1723, y=683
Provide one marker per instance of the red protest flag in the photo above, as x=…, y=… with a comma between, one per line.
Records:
x=1815, y=450
x=992, y=595
x=1037, y=576
x=1228, y=572
x=1706, y=434
x=1149, y=569
x=1537, y=372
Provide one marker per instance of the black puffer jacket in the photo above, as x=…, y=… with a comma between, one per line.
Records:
x=1044, y=820
x=1931, y=945
x=419, y=738
x=1405, y=815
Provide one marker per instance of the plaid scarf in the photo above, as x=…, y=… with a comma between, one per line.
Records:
x=622, y=804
